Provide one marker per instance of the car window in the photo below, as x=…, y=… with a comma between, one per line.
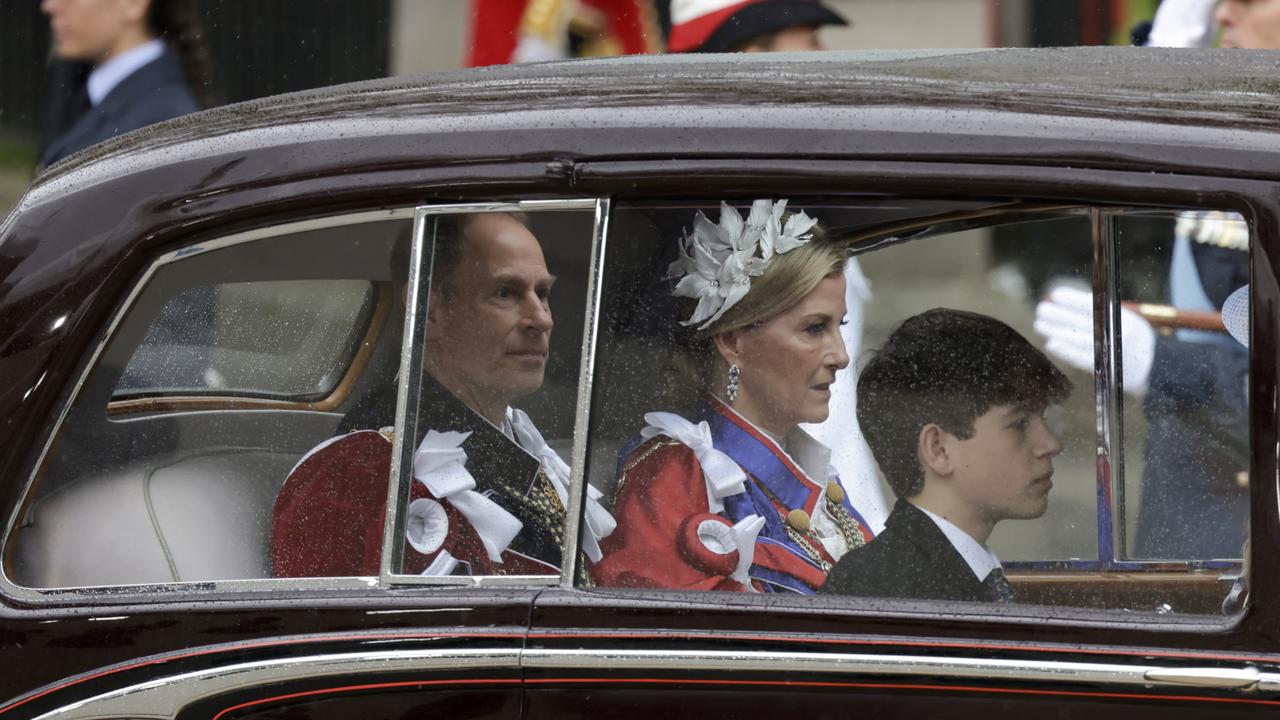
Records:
x=1186, y=410
x=477, y=424
x=988, y=453
x=231, y=358
x=243, y=417
x=489, y=423
x=288, y=339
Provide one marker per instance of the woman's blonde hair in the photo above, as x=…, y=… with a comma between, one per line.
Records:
x=786, y=282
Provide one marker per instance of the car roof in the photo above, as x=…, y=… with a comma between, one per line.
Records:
x=1203, y=112
x=1222, y=88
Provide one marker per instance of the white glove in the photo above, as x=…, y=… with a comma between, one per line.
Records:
x=1065, y=319
x=535, y=49
x=1184, y=23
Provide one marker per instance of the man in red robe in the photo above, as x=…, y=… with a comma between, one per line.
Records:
x=488, y=495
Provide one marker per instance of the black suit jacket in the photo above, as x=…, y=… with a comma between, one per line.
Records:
x=155, y=92
x=910, y=559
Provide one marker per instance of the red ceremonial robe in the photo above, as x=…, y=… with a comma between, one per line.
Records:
x=330, y=514
x=662, y=505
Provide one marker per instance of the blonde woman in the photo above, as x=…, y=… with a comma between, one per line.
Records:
x=738, y=496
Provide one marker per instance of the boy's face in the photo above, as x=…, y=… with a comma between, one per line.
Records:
x=1005, y=469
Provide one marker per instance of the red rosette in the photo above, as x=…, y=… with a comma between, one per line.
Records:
x=707, y=543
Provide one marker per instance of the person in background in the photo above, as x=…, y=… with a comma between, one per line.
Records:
x=1194, y=500
x=145, y=65
x=952, y=405
x=711, y=26
x=706, y=26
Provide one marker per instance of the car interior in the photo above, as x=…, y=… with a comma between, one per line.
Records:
x=234, y=360
x=231, y=364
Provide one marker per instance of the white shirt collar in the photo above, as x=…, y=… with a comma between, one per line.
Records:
x=111, y=73
x=977, y=556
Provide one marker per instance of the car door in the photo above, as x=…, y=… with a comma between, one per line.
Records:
x=143, y=572
x=1126, y=595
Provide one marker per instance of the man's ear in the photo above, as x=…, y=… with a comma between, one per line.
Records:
x=932, y=449
x=729, y=346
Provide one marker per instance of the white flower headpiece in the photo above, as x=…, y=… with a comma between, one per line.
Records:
x=717, y=262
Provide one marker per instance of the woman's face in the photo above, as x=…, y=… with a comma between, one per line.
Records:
x=789, y=362
x=1252, y=24
x=95, y=30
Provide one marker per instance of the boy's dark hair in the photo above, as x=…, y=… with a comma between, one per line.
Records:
x=946, y=367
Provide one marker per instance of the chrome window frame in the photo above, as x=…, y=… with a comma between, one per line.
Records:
x=393, y=527
x=411, y=368
x=1112, y=536
x=1107, y=392
x=126, y=593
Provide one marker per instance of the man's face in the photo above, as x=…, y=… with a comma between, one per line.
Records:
x=1005, y=469
x=89, y=30
x=488, y=334
x=1253, y=24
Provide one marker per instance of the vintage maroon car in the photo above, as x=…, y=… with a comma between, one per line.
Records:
x=187, y=310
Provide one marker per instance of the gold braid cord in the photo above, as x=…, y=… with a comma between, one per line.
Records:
x=548, y=20
x=845, y=523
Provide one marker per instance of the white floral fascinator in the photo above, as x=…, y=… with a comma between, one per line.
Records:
x=717, y=262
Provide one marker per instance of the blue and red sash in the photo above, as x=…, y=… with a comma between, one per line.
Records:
x=780, y=562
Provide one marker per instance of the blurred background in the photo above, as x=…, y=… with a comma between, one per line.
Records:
x=268, y=47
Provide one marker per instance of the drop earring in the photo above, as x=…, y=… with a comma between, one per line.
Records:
x=735, y=375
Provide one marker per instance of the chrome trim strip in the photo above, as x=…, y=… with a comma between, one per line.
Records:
x=104, y=593
x=586, y=377
x=839, y=663
x=568, y=204
x=1111, y=253
x=411, y=367
x=408, y=383
x=165, y=697
x=1106, y=315
x=1246, y=678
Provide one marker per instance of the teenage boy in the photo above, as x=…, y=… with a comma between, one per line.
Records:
x=952, y=407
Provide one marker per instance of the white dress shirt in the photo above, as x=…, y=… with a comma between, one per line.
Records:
x=111, y=73
x=977, y=556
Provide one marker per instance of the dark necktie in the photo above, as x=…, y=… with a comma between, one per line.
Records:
x=998, y=586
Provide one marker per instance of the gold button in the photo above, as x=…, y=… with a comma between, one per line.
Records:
x=835, y=492
x=1242, y=479
x=798, y=520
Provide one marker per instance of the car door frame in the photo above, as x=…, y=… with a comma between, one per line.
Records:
x=630, y=638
